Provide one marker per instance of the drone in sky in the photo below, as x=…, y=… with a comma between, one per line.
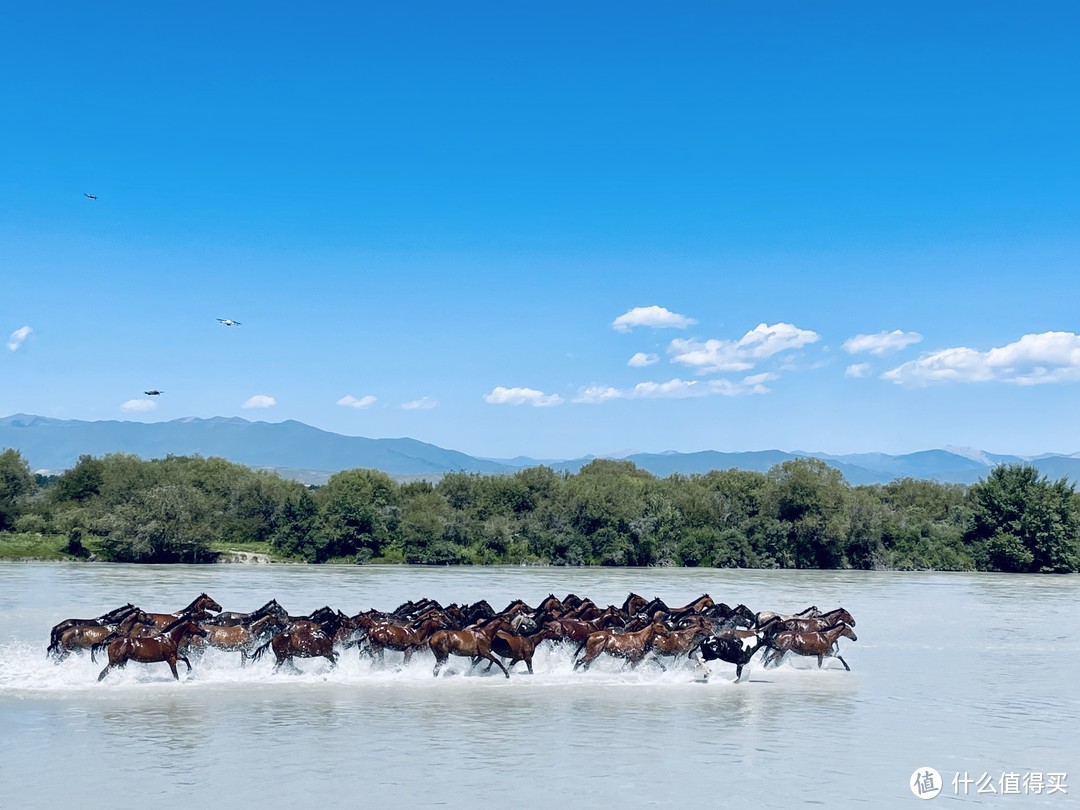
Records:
x=228, y=321
x=91, y=196
x=153, y=392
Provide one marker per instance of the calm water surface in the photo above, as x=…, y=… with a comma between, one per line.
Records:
x=970, y=673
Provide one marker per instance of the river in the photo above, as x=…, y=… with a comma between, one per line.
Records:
x=972, y=675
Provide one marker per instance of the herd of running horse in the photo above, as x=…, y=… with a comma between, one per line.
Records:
x=639, y=630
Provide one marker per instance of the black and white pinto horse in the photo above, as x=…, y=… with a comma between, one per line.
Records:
x=733, y=646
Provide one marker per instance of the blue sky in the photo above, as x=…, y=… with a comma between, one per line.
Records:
x=549, y=229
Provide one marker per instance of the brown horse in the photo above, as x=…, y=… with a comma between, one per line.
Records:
x=201, y=602
x=470, y=642
x=163, y=647
x=521, y=647
x=385, y=635
x=235, y=638
x=818, y=623
x=674, y=643
x=823, y=644
x=111, y=618
x=806, y=613
x=91, y=637
x=631, y=646
x=301, y=639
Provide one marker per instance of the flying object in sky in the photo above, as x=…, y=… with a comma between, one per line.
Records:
x=153, y=392
x=91, y=196
x=228, y=321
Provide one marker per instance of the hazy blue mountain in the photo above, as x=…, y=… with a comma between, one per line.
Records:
x=300, y=451
x=56, y=444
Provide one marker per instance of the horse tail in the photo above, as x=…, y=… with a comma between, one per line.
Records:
x=255, y=656
x=94, y=648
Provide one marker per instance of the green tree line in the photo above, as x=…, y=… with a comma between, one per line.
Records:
x=800, y=514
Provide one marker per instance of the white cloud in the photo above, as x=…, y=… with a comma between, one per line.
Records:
x=521, y=396
x=422, y=404
x=740, y=355
x=857, y=370
x=134, y=405
x=595, y=394
x=654, y=316
x=755, y=379
x=349, y=401
x=260, y=401
x=678, y=389
x=641, y=360
x=882, y=342
x=1049, y=357
x=17, y=338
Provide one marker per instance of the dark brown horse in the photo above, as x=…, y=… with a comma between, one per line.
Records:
x=521, y=647
x=631, y=646
x=470, y=642
x=301, y=639
x=162, y=647
x=823, y=644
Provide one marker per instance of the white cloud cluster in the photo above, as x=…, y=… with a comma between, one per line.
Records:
x=422, y=404
x=138, y=405
x=349, y=401
x=259, y=401
x=521, y=396
x=743, y=354
x=1049, y=357
x=654, y=316
x=881, y=343
x=641, y=360
x=17, y=337
x=857, y=370
x=677, y=389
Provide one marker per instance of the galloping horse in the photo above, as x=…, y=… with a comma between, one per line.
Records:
x=163, y=647
x=303, y=639
x=823, y=644
x=469, y=642
x=110, y=618
x=631, y=646
x=237, y=637
x=731, y=645
x=674, y=643
x=384, y=635
x=91, y=636
x=818, y=623
x=521, y=647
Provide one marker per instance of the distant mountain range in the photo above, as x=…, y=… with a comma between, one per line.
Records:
x=311, y=455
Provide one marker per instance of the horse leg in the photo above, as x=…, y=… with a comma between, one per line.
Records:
x=842, y=661
x=332, y=657
x=185, y=660
x=171, y=661
x=495, y=661
x=439, y=664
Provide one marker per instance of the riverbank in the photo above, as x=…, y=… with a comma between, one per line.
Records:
x=33, y=547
